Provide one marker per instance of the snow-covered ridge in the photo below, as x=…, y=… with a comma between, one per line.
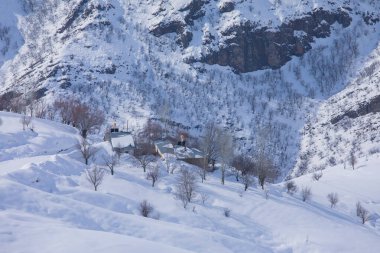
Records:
x=47, y=204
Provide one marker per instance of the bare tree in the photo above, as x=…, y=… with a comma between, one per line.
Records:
x=145, y=208
x=80, y=115
x=333, y=199
x=143, y=154
x=245, y=168
x=186, y=186
x=291, y=187
x=208, y=146
x=152, y=132
x=111, y=161
x=266, y=170
x=1, y=121
x=144, y=160
x=362, y=213
x=153, y=174
x=86, y=150
x=225, y=152
x=169, y=160
x=352, y=159
x=64, y=108
x=95, y=176
x=204, y=197
x=41, y=109
x=305, y=193
x=25, y=121
x=87, y=118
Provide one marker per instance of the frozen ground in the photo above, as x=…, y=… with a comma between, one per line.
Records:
x=47, y=205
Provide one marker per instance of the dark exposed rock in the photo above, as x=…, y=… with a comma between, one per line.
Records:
x=78, y=10
x=373, y=106
x=83, y=9
x=175, y=26
x=250, y=48
x=66, y=84
x=40, y=93
x=227, y=7
x=195, y=10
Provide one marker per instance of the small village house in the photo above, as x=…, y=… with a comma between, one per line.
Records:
x=121, y=141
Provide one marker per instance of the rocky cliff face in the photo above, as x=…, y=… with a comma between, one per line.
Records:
x=251, y=48
x=248, y=46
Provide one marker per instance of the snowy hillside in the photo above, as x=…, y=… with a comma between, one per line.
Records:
x=247, y=65
x=48, y=205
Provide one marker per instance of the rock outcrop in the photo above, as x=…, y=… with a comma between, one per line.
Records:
x=249, y=46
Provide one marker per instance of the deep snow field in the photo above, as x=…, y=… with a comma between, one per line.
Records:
x=47, y=205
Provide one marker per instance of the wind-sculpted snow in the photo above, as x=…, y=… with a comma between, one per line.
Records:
x=48, y=205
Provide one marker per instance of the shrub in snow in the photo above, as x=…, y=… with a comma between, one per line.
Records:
x=153, y=174
x=1, y=121
x=145, y=208
x=95, y=176
x=317, y=175
x=362, y=213
x=291, y=187
x=305, y=193
x=227, y=212
x=333, y=199
x=186, y=186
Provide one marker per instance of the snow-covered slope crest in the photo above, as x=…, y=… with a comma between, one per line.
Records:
x=48, y=205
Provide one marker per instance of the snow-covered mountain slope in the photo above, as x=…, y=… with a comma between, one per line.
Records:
x=48, y=205
x=346, y=126
x=110, y=53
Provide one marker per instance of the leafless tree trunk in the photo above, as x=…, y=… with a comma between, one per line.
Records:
x=352, y=159
x=25, y=121
x=266, y=171
x=186, y=186
x=245, y=168
x=153, y=174
x=95, y=176
x=144, y=160
x=225, y=151
x=362, y=213
x=208, y=146
x=111, y=161
x=86, y=150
